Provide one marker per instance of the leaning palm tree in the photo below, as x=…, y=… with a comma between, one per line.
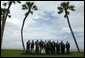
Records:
x=29, y=6
x=3, y=14
x=5, y=17
x=64, y=8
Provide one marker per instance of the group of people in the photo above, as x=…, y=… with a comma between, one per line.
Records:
x=49, y=47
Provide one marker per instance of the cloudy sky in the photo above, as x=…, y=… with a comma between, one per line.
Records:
x=45, y=24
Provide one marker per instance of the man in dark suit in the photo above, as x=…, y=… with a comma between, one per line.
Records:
x=67, y=47
x=57, y=45
x=28, y=46
x=62, y=47
x=37, y=46
x=32, y=46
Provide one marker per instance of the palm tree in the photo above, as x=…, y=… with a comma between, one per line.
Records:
x=3, y=14
x=64, y=8
x=5, y=17
x=29, y=6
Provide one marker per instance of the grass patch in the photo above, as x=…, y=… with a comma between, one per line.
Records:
x=18, y=53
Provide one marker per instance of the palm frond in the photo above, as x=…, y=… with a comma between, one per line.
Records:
x=29, y=4
x=34, y=7
x=67, y=3
x=63, y=4
x=60, y=12
x=3, y=10
x=9, y=16
x=72, y=7
x=5, y=4
x=65, y=15
x=24, y=7
x=60, y=8
x=31, y=12
x=16, y=1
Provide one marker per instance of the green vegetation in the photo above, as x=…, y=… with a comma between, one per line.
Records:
x=18, y=53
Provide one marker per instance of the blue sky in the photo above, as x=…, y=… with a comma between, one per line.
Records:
x=45, y=24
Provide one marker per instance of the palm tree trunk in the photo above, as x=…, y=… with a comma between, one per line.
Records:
x=22, y=32
x=73, y=34
x=2, y=28
x=4, y=22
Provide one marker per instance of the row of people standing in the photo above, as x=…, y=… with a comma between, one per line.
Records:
x=48, y=46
